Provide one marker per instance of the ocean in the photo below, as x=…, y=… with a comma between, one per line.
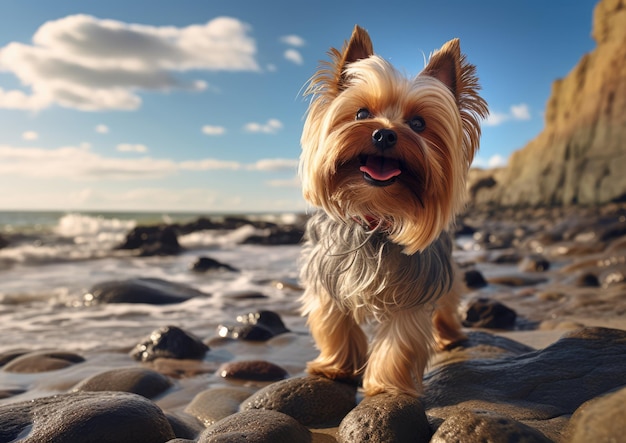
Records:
x=53, y=259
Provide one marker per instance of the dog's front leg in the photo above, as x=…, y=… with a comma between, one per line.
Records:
x=402, y=346
x=340, y=340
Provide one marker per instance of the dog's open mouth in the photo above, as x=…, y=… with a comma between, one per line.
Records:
x=378, y=170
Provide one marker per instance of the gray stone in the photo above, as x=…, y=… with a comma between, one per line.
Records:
x=139, y=381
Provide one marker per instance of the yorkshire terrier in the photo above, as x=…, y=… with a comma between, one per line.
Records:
x=386, y=158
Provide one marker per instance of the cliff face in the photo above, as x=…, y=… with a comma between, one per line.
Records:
x=580, y=156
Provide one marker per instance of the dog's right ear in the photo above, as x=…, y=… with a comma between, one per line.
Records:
x=358, y=47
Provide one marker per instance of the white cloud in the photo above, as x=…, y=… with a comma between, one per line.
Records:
x=274, y=164
x=495, y=161
x=293, y=40
x=102, y=129
x=516, y=112
x=128, y=147
x=289, y=183
x=520, y=112
x=30, y=135
x=213, y=130
x=294, y=56
x=87, y=63
x=81, y=163
x=270, y=127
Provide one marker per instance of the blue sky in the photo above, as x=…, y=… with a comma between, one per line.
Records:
x=196, y=105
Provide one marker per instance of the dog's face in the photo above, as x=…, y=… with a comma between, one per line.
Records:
x=389, y=150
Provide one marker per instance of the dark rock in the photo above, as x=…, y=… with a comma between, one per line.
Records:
x=152, y=240
x=103, y=417
x=10, y=392
x=152, y=291
x=482, y=426
x=587, y=279
x=212, y=405
x=474, y=279
x=204, y=264
x=170, y=342
x=534, y=263
x=3, y=242
x=601, y=419
x=256, y=426
x=386, y=418
x=327, y=401
x=7, y=356
x=279, y=235
x=141, y=381
x=256, y=370
x=255, y=326
x=245, y=295
x=487, y=313
x=42, y=361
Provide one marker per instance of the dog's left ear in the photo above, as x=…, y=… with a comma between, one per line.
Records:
x=449, y=66
x=445, y=65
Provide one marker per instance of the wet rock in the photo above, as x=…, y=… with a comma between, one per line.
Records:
x=152, y=240
x=170, y=342
x=42, y=361
x=327, y=401
x=534, y=263
x=487, y=313
x=601, y=419
x=255, y=326
x=386, y=418
x=587, y=279
x=152, y=291
x=205, y=264
x=10, y=392
x=185, y=426
x=278, y=235
x=581, y=365
x=245, y=295
x=474, y=279
x=255, y=370
x=12, y=354
x=481, y=426
x=212, y=405
x=107, y=417
x=141, y=381
x=3, y=242
x=256, y=426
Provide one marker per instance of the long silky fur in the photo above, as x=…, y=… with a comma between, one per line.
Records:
x=368, y=275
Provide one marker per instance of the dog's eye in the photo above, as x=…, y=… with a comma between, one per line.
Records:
x=363, y=113
x=417, y=123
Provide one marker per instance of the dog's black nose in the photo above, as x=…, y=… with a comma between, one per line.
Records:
x=384, y=138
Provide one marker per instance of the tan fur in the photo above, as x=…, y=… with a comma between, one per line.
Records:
x=398, y=269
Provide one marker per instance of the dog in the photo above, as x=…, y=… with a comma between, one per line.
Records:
x=386, y=158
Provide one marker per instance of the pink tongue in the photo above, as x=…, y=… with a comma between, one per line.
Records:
x=380, y=168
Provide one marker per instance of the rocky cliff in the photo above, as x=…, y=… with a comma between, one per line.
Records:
x=580, y=156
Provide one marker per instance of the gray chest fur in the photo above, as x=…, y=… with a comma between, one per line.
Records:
x=367, y=274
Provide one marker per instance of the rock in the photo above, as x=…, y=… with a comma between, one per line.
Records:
x=279, y=235
x=105, y=417
x=255, y=326
x=601, y=419
x=255, y=370
x=327, y=401
x=204, y=264
x=212, y=405
x=487, y=313
x=581, y=365
x=482, y=426
x=170, y=342
x=42, y=361
x=3, y=242
x=516, y=280
x=579, y=156
x=185, y=426
x=141, y=381
x=256, y=426
x=152, y=240
x=474, y=279
x=386, y=418
x=152, y=291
